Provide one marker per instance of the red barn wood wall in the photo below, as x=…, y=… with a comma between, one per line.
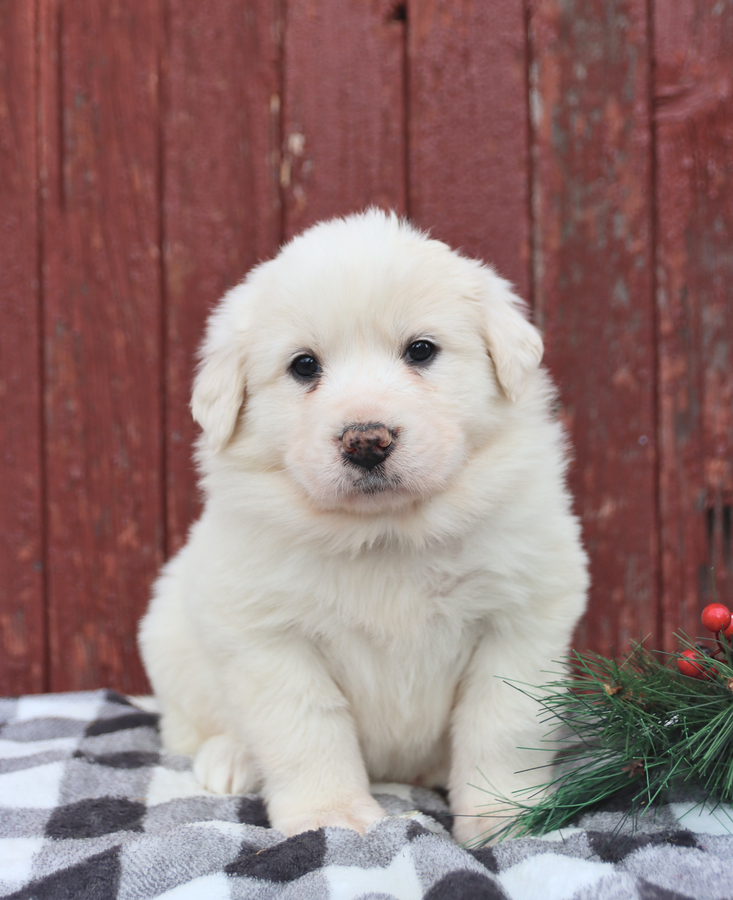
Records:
x=22, y=612
x=693, y=47
x=343, y=110
x=593, y=279
x=152, y=151
x=99, y=111
x=221, y=212
x=468, y=130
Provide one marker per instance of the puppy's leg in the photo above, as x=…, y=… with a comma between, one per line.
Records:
x=492, y=720
x=224, y=766
x=178, y=733
x=302, y=736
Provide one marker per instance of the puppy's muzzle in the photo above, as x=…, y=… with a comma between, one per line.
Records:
x=366, y=446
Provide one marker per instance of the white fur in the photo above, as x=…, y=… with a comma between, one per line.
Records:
x=312, y=636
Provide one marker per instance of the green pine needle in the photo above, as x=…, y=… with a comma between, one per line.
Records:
x=637, y=726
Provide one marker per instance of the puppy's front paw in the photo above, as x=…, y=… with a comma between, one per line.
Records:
x=357, y=815
x=223, y=766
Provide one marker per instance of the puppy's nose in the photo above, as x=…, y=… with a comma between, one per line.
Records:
x=366, y=445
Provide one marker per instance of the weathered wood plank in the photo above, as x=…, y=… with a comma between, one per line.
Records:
x=22, y=625
x=221, y=210
x=344, y=111
x=594, y=290
x=693, y=95
x=468, y=129
x=100, y=156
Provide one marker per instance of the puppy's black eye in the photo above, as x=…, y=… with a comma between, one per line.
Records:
x=305, y=368
x=420, y=352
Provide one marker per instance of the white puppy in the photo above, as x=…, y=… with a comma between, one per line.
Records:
x=387, y=535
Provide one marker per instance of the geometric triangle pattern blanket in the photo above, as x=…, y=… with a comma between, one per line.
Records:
x=91, y=808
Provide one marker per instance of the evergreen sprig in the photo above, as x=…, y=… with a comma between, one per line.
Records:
x=637, y=726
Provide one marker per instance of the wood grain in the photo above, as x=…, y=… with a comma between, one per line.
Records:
x=594, y=289
x=468, y=138
x=343, y=113
x=693, y=95
x=22, y=620
x=151, y=151
x=221, y=207
x=100, y=156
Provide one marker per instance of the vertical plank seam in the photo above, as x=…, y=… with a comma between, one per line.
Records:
x=656, y=354
x=163, y=45
x=41, y=351
x=528, y=59
x=281, y=18
x=406, y=107
x=61, y=149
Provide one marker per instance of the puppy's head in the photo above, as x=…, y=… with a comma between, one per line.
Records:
x=366, y=365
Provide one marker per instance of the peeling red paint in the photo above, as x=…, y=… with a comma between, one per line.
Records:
x=343, y=111
x=180, y=142
x=22, y=663
x=468, y=130
x=695, y=264
x=100, y=159
x=221, y=204
x=594, y=292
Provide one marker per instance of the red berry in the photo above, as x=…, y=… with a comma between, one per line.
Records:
x=729, y=630
x=716, y=617
x=687, y=667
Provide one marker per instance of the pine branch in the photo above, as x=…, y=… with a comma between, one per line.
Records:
x=636, y=726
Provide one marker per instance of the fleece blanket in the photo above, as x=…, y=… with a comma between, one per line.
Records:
x=91, y=808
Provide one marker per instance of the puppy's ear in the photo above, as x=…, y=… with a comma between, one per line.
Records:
x=218, y=389
x=514, y=344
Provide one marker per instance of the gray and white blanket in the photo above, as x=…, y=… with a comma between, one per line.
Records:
x=91, y=808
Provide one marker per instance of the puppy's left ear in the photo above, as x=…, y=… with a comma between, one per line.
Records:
x=219, y=386
x=514, y=344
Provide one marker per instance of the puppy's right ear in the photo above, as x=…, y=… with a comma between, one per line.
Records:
x=218, y=389
x=514, y=344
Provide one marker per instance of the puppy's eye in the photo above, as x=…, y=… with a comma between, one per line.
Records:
x=305, y=368
x=420, y=352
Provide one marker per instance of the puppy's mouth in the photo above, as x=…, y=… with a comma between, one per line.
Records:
x=376, y=481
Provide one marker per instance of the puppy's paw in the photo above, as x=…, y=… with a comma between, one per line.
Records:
x=223, y=766
x=357, y=815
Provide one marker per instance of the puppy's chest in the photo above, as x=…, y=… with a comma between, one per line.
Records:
x=395, y=636
x=393, y=631
x=392, y=599
x=400, y=691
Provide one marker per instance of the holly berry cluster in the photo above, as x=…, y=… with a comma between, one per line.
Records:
x=716, y=617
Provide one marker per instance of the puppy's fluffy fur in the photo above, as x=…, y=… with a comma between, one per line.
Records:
x=327, y=624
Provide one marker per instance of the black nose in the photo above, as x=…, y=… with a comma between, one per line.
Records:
x=366, y=445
